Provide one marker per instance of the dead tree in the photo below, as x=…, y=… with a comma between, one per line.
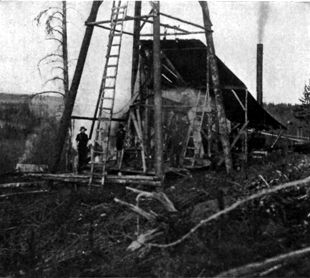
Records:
x=220, y=111
x=55, y=22
x=70, y=98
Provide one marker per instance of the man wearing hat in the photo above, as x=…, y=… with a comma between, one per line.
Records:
x=82, y=140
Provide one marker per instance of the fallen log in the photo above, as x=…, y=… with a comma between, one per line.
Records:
x=21, y=184
x=25, y=193
x=84, y=179
x=250, y=269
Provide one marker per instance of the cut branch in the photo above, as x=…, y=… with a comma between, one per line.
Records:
x=250, y=269
x=142, y=239
x=46, y=57
x=55, y=39
x=57, y=67
x=149, y=216
x=159, y=196
x=53, y=79
x=299, y=183
x=47, y=92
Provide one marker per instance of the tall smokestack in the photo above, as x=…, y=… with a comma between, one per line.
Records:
x=259, y=74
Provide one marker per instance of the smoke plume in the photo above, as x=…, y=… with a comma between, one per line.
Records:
x=262, y=19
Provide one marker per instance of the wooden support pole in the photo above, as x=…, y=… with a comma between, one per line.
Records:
x=157, y=92
x=246, y=130
x=220, y=111
x=135, y=46
x=70, y=98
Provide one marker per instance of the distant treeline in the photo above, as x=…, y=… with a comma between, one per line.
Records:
x=17, y=120
x=27, y=134
x=284, y=112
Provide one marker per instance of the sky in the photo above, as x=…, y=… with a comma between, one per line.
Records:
x=286, y=38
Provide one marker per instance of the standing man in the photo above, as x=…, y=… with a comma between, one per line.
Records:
x=120, y=137
x=82, y=140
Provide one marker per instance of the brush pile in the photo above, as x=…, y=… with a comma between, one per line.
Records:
x=118, y=231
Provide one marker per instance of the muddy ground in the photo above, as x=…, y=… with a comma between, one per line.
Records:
x=70, y=231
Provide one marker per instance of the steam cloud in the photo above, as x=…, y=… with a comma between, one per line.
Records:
x=262, y=19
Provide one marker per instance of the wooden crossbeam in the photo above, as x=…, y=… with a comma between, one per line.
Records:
x=174, y=34
x=238, y=99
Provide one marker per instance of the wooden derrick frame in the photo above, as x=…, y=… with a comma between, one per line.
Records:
x=153, y=17
x=135, y=119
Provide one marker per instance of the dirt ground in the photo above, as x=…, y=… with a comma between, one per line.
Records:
x=70, y=231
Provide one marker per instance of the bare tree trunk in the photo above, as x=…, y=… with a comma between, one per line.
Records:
x=220, y=112
x=65, y=48
x=70, y=98
x=66, y=77
x=157, y=93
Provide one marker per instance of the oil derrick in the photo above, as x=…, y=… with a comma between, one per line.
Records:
x=146, y=105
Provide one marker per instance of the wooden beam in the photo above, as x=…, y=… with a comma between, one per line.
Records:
x=184, y=21
x=175, y=34
x=220, y=111
x=149, y=15
x=65, y=120
x=238, y=99
x=157, y=92
x=109, y=28
x=95, y=119
x=235, y=140
x=127, y=18
x=163, y=25
x=135, y=45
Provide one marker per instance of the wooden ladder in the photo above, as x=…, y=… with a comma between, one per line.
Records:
x=192, y=146
x=100, y=149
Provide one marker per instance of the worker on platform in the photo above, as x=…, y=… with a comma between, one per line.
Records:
x=120, y=138
x=82, y=140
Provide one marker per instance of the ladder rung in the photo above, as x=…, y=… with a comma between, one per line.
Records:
x=97, y=163
x=106, y=108
x=109, y=87
x=119, y=7
x=111, y=66
x=99, y=152
x=103, y=118
x=118, y=34
x=114, y=56
x=116, y=44
x=109, y=76
x=189, y=158
x=108, y=98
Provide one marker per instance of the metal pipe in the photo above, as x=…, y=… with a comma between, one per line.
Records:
x=259, y=74
x=157, y=93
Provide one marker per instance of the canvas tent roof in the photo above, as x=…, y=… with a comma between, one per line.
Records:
x=188, y=58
